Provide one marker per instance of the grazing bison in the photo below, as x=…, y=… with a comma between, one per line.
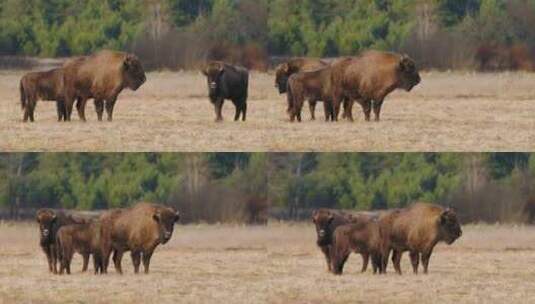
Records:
x=417, y=229
x=46, y=86
x=311, y=85
x=50, y=221
x=326, y=222
x=227, y=82
x=369, y=77
x=139, y=229
x=101, y=76
x=362, y=236
x=296, y=65
x=81, y=238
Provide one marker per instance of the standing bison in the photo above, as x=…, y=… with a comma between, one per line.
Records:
x=227, y=82
x=297, y=65
x=326, y=222
x=370, y=77
x=81, y=238
x=42, y=86
x=417, y=229
x=101, y=76
x=139, y=229
x=50, y=221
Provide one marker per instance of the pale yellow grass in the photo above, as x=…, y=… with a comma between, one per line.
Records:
x=447, y=112
x=275, y=264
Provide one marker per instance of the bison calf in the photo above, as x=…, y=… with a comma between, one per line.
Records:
x=362, y=236
x=417, y=229
x=326, y=222
x=83, y=239
x=227, y=82
x=48, y=86
x=139, y=229
x=313, y=85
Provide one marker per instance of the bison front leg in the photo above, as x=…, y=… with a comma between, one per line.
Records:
x=396, y=260
x=60, y=108
x=312, y=107
x=415, y=261
x=328, y=111
x=85, y=257
x=218, y=106
x=377, y=109
x=244, y=110
x=110, y=103
x=327, y=253
x=99, y=108
x=146, y=259
x=80, y=107
x=365, y=261
x=117, y=258
x=348, y=109
x=426, y=256
x=366, y=108
x=136, y=260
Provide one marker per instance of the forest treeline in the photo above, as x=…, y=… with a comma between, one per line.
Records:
x=247, y=187
x=494, y=34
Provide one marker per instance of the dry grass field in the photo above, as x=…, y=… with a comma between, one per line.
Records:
x=275, y=264
x=447, y=112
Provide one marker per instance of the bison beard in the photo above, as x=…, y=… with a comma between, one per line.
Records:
x=101, y=76
x=139, y=229
x=227, y=82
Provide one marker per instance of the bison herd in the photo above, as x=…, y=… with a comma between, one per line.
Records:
x=141, y=228
x=366, y=78
x=417, y=229
x=138, y=229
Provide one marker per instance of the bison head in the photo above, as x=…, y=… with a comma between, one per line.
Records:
x=322, y=219
x=133, y=72
x=46, y=219
x=449, y=226
x=408, y=73
x=281, y=77
x=166, y=219
x=213, y=73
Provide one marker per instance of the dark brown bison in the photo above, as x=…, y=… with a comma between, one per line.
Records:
x=326, y=222
x=296, y=65
x=311, y=85
x=83, y=239
x=101, y=76
x=369, y=77
x=47, y=86
x=226, y=81
x=362, y=235
x=417, y=229
x=139, y=229
x=50, y=221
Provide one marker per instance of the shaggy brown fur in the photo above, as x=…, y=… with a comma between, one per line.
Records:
x=83, y=239
x=297, y=65
x=139, y=229
x=417, y=229
x=362, y=236
x=101, y=76
x=326, y=222
x=47, y=86
x=50, y=221
x=369, y=77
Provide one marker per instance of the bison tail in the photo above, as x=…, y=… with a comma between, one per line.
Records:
x=23, y=97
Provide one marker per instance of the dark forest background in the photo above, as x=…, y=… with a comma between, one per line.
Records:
x=250, y=187
x=175, y=34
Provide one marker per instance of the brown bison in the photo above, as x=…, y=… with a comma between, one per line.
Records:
x=297, y=65
x=363, y=236
x=47, y=86
x=326, y=222
x=81, y=238
x=50, y=221
x=139, y=229
x=101, y=76
x=369, y=77
x=417, y=229
x=226, y=81
x=311, y=85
